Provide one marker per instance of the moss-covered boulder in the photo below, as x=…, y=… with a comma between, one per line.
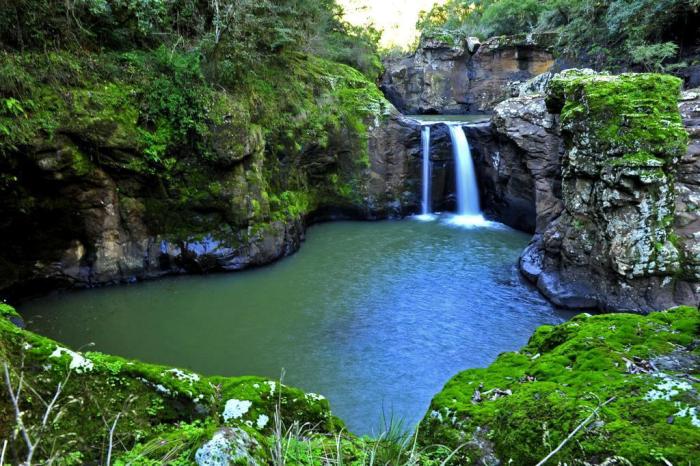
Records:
x=630, y=382
x=154, y=411
x=614, y=246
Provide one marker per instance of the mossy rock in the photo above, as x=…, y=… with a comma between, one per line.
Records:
x=526, y=403
x=634, y=116
x=152, y=402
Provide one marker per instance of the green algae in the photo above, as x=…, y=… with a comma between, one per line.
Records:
x=531, y=400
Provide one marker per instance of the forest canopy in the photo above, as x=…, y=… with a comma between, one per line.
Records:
x=646, y=33
x=233, y=34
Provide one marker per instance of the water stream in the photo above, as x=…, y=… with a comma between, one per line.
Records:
x=467, y=188
x=426, y=208
x=375, y=316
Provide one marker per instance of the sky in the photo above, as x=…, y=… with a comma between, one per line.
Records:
x=396, y=17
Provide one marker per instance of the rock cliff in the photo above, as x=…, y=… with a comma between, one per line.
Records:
x=95, y=193
x=599, y=171
x=467, y=77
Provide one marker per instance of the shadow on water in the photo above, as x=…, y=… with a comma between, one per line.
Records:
x=375, y=316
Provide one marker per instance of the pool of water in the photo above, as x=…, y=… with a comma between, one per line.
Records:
x=375, y=316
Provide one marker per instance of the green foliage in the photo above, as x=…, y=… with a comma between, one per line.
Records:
x=603, y=33
x=653, y=56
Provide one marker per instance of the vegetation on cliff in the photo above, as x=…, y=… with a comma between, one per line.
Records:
x=619, y=33
x=195, y=119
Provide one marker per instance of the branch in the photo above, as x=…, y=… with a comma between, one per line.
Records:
x=111, y=440
x=15, y=405
x=2, y=454
x=575, y=431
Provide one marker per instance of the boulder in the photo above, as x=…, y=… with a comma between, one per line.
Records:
x=631, y=371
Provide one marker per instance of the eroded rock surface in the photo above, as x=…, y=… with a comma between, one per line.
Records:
x=444, y=77
x=614, y=246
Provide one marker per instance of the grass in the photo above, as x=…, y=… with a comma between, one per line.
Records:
x=300, y=444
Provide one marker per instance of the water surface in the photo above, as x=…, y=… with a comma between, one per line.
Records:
x=375, y=316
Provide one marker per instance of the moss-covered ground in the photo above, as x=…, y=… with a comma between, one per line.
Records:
x=526, y=403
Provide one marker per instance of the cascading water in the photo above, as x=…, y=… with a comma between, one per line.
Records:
x=425, y=204
x=468, y=210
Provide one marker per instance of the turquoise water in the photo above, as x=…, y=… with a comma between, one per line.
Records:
x=375, y=316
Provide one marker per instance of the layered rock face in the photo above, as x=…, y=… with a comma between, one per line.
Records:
x=518, y=159
x=613, y=246
x=94, y=202
x=448, y=78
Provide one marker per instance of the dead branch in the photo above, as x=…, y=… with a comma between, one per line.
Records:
x=575, y=431
x=15, y=399
x=111, y=439
x=2, y=453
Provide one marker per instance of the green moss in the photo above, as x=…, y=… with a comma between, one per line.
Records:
x=158, y=406
x=633, y=116
x=7, y=311
x=551, y=385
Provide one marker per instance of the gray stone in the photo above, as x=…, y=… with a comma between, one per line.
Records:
x=466, y=78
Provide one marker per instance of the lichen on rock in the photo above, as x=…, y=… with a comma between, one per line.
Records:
x=615, y=239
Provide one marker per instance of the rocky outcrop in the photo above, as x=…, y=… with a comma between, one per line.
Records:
x=518, y=159
x=601, y=207
x=614, y=246
x=687, y=187
x=457, y=78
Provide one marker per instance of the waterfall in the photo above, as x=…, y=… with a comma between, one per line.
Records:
x=425, y=204
x=467, y=189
